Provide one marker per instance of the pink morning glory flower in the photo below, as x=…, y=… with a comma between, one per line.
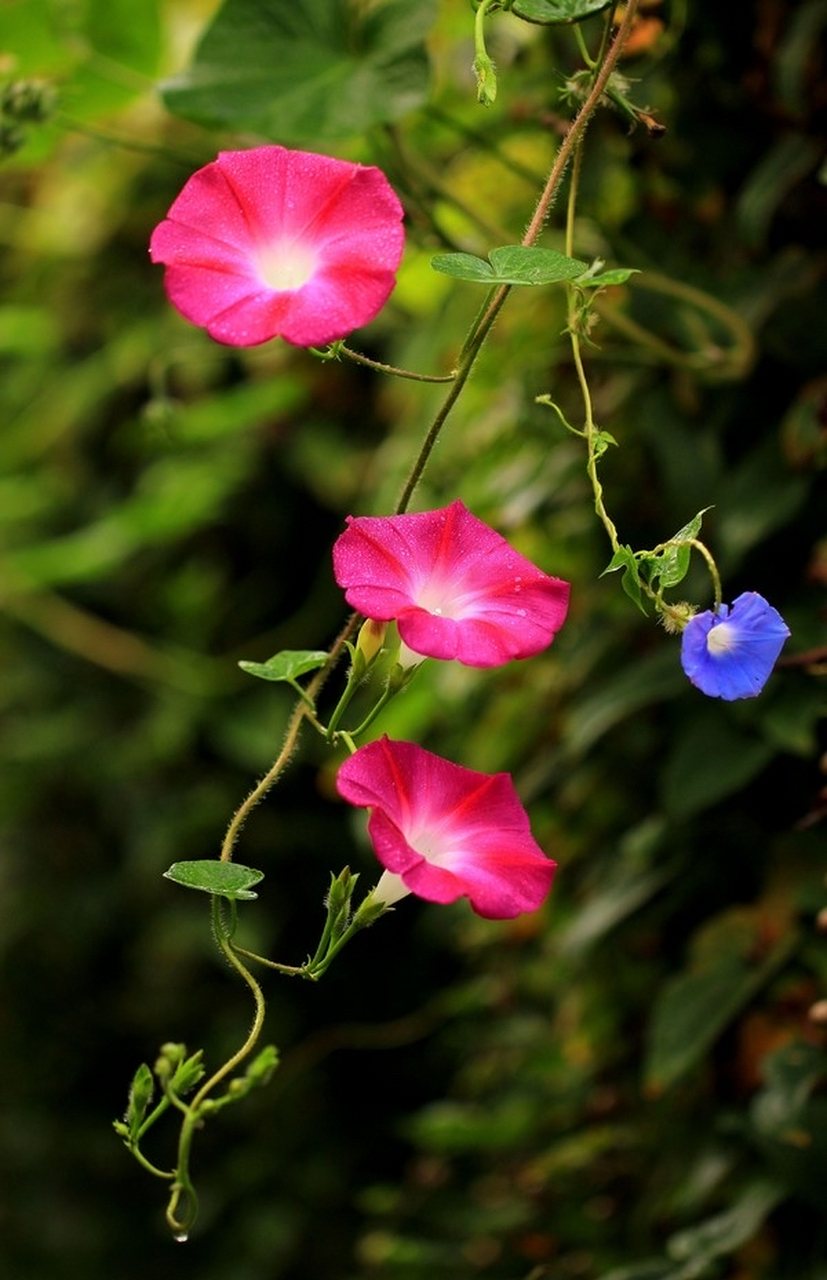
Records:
x=444, y=832
x=273, y=243
x=454, y=586
x=730, y=654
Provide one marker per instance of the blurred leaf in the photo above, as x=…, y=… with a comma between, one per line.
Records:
x=230, y=411
x=450, y=1126
x=27, y=331
x=696, y=1248
x=791, y=1073
x=710, y=758
x=789, y=1118
x=790, y=717
x=789, y=160
x=549, y=12
x=649, y=679
x=804, y=430
x=621, y=888
x=760, y=495
x=227, y=879
x=176, y=495
x=306, y=71
x=126, y=33
x=694, y=1008
x=722, y=1234
x=650, y=1269
x=797, y=51
x=100, y=54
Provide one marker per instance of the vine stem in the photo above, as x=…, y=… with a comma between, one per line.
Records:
x=580, y=123
x=494, y=303
x=713, y=570
x=482, y=327
x=182, y=1188
x=301, y=712
x=183, y=1183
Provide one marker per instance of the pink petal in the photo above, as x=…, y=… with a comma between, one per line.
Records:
x=454, y=585
x=232, y=216
x=448, y=832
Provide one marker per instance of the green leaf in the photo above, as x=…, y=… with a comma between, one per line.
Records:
x=287, y=665
x=672, y=564
x=128, y=34
x=512, y=264
x=649, y=1269
x=228, y=879
x=550, y=12
x=725, y=1232
x=710, y=759
x=693, y=1250
x=694, y=1008
x=306, y=71
x=792, y=157
x=791, y=1073
x=528, y=264
x=140, y=1096
x=624, y=558
x=602, y=441
x=789, y=1119
x=621, y=888
x=463, y=266
x=648, y=680
x=619, y=275
x=188, y=1072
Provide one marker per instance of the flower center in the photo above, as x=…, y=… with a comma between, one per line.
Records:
x=721, y=639
x=438, y=598
x=284, y=267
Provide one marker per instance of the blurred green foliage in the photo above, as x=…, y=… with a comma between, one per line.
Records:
x=628, y=1086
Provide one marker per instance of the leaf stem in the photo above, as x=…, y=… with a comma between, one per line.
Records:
x=358, y=358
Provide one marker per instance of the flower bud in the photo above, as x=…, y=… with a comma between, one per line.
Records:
x=370, y=639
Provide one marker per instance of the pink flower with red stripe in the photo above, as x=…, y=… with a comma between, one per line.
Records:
x=272, y=243
x=454, y=586
x=444, y=832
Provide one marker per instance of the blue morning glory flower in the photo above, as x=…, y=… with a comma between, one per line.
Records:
x=730, y=654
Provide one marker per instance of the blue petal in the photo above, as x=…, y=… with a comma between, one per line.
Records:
x=756, y=636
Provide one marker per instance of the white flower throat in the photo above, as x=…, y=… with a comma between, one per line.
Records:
x=286, y=267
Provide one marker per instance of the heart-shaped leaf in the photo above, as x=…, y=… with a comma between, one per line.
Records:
x=227, y=879
x=287, y=665
x=550, y=12
x=306, y=71
x=511, y=264
x=672, y=565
